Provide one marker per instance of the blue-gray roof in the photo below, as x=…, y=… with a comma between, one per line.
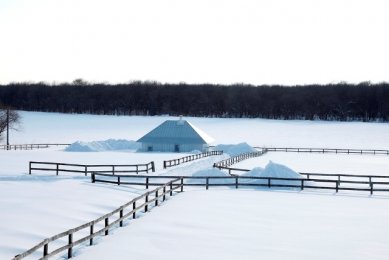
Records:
x=176, y=132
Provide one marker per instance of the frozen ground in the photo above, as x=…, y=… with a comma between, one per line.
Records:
x=230, y=224
x=67, y=128
x=323, y=163
x=243, y=224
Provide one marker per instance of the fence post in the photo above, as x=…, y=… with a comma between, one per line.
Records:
x=164, y=195
x=120, y=216
x=236, y=182
x=156, y=196
x=70, y=249
x=91, y=233
x=337, y=187
x=45, y=249
x=171, y=188
x=182, y=184
x=57, y=168
x=137, y=169
x=133, y=208
x=106, y=225
x=164, y=164
x=118, y=180
x=371, y=189
x=147, y=182
x=86, y=170
x=29, y=170
x=146, y=201
x=302, y=184
x=93, y=177
x=269, y=182
x=113, y=169
x=206, y=182
x=152, y=166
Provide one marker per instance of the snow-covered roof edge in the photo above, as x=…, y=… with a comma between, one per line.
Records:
x=208, y=139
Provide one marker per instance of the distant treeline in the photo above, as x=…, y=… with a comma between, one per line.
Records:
x=342, y=101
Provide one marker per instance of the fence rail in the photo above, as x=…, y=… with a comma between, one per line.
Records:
x=175, y=162
x=85, y=169
x=28, y=146
x=325, y=150
x=125, y=211
x=238, y=158
x=239, y=181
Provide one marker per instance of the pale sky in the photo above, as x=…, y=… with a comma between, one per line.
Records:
x=195, y=41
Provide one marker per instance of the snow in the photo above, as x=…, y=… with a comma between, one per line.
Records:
x=235, y=149
x=67, y=128
x=323, y=163
x=37, y=207
x=246, y=224
x=220, y=223
x=99, y=146
x=210, y=173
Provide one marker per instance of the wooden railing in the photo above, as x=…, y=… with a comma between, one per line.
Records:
x=238, y=158
x=240, y=181
x=88, y=168
x=325, y=150
x=108, y=222
x=175, y=162
x=28, y=146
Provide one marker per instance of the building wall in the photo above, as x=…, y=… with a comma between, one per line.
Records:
x=151, y=147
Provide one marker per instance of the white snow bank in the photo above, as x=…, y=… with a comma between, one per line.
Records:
x=213, y=172
x=100, y=146
x=235, y=149
x=273, y=170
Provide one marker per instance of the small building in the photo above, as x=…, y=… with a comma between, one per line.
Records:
x=175, y=136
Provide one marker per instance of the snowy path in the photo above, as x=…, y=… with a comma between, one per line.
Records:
x=266, y=225
x=187, y=169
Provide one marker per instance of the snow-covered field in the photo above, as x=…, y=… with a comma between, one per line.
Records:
x=323, y=163
x=66, y=128
x=231, y=224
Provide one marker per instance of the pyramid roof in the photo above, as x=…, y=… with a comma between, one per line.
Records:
x=176, y=132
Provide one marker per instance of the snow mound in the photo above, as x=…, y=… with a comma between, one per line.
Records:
x=276, y=171
x=235, y=149
x=100, y=146
x=213, y=172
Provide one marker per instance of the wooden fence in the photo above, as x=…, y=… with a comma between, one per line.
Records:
x=236, y=181
x=108, y=222
x=85, y=169
x=325, y=150
x=238, y=158
x=28, y=146
x=175, y=162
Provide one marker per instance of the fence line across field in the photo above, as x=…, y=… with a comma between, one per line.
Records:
x=125, y=211
x=189, y=158
x=28, y=146
x=240, y=181
x=89, y=168
x=324, y=150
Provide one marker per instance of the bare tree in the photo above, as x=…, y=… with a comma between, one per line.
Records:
x=9, y=119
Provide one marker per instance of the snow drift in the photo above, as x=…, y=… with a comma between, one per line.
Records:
x=100, y=146
x=235, y=149
x=211, y=173
x=273, y=170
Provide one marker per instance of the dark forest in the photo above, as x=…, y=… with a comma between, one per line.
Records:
x=341, y=101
